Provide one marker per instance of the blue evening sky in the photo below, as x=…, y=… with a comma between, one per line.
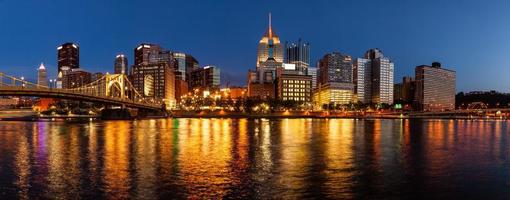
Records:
x=471, y=37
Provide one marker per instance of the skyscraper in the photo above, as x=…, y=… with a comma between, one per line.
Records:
x=373, y=78
x=298, y=53
x=68, y=55
x=206, y=78
x=335, y=85
x=143, y=52
x=435, y=88
x=121, y=64
x=382, y=77
x=335, y=67
x=269, y=58
x=180, y=65
x=269, y=47
x=362, y=79
x=191, y=64
x=42, y=76
x=153, y=73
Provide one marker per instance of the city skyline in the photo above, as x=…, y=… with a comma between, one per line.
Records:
x=407, y=52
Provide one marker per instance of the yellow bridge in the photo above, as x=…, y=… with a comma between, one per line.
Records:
x=112, y=89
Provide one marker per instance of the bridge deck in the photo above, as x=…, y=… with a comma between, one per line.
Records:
x=75, y=95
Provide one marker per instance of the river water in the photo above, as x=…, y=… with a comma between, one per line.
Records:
x=255, y=158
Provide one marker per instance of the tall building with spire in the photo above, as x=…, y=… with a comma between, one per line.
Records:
x=269, y=47
x=42, y=76
x=269, y=58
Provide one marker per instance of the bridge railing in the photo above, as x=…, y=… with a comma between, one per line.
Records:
x=95, y=89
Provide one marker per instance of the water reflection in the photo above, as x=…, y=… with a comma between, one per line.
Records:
x=262, y=158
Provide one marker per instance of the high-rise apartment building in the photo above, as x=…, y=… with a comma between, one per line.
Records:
x=42, y=76
x=120, y=64
x=335, y=82
x=335, y=67
x=374, y=78
x=68, y=56
x=435, y=88
x=362, y=79
x=298, y=53
x=382, y=77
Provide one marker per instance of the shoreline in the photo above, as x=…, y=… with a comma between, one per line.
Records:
x=282, y=115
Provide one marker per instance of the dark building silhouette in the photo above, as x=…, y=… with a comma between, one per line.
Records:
x=206, y=78
x=298, y=53
x=143, y=52
x=68, y=55
x=76, y=78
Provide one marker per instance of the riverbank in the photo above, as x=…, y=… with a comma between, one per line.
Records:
x=320, y=114
x=28, y=115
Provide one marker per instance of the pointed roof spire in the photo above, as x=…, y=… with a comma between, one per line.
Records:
x=270, y=30
x=269, y=19
x=41, y=67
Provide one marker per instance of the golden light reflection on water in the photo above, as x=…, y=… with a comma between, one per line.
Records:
x=229, y=158
x=116, y=156
x=204, y=157
x=295, y=154
x=145, y=160
x=63, y=161
x=339, y=156
x=264, y=159
x=22, y=166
